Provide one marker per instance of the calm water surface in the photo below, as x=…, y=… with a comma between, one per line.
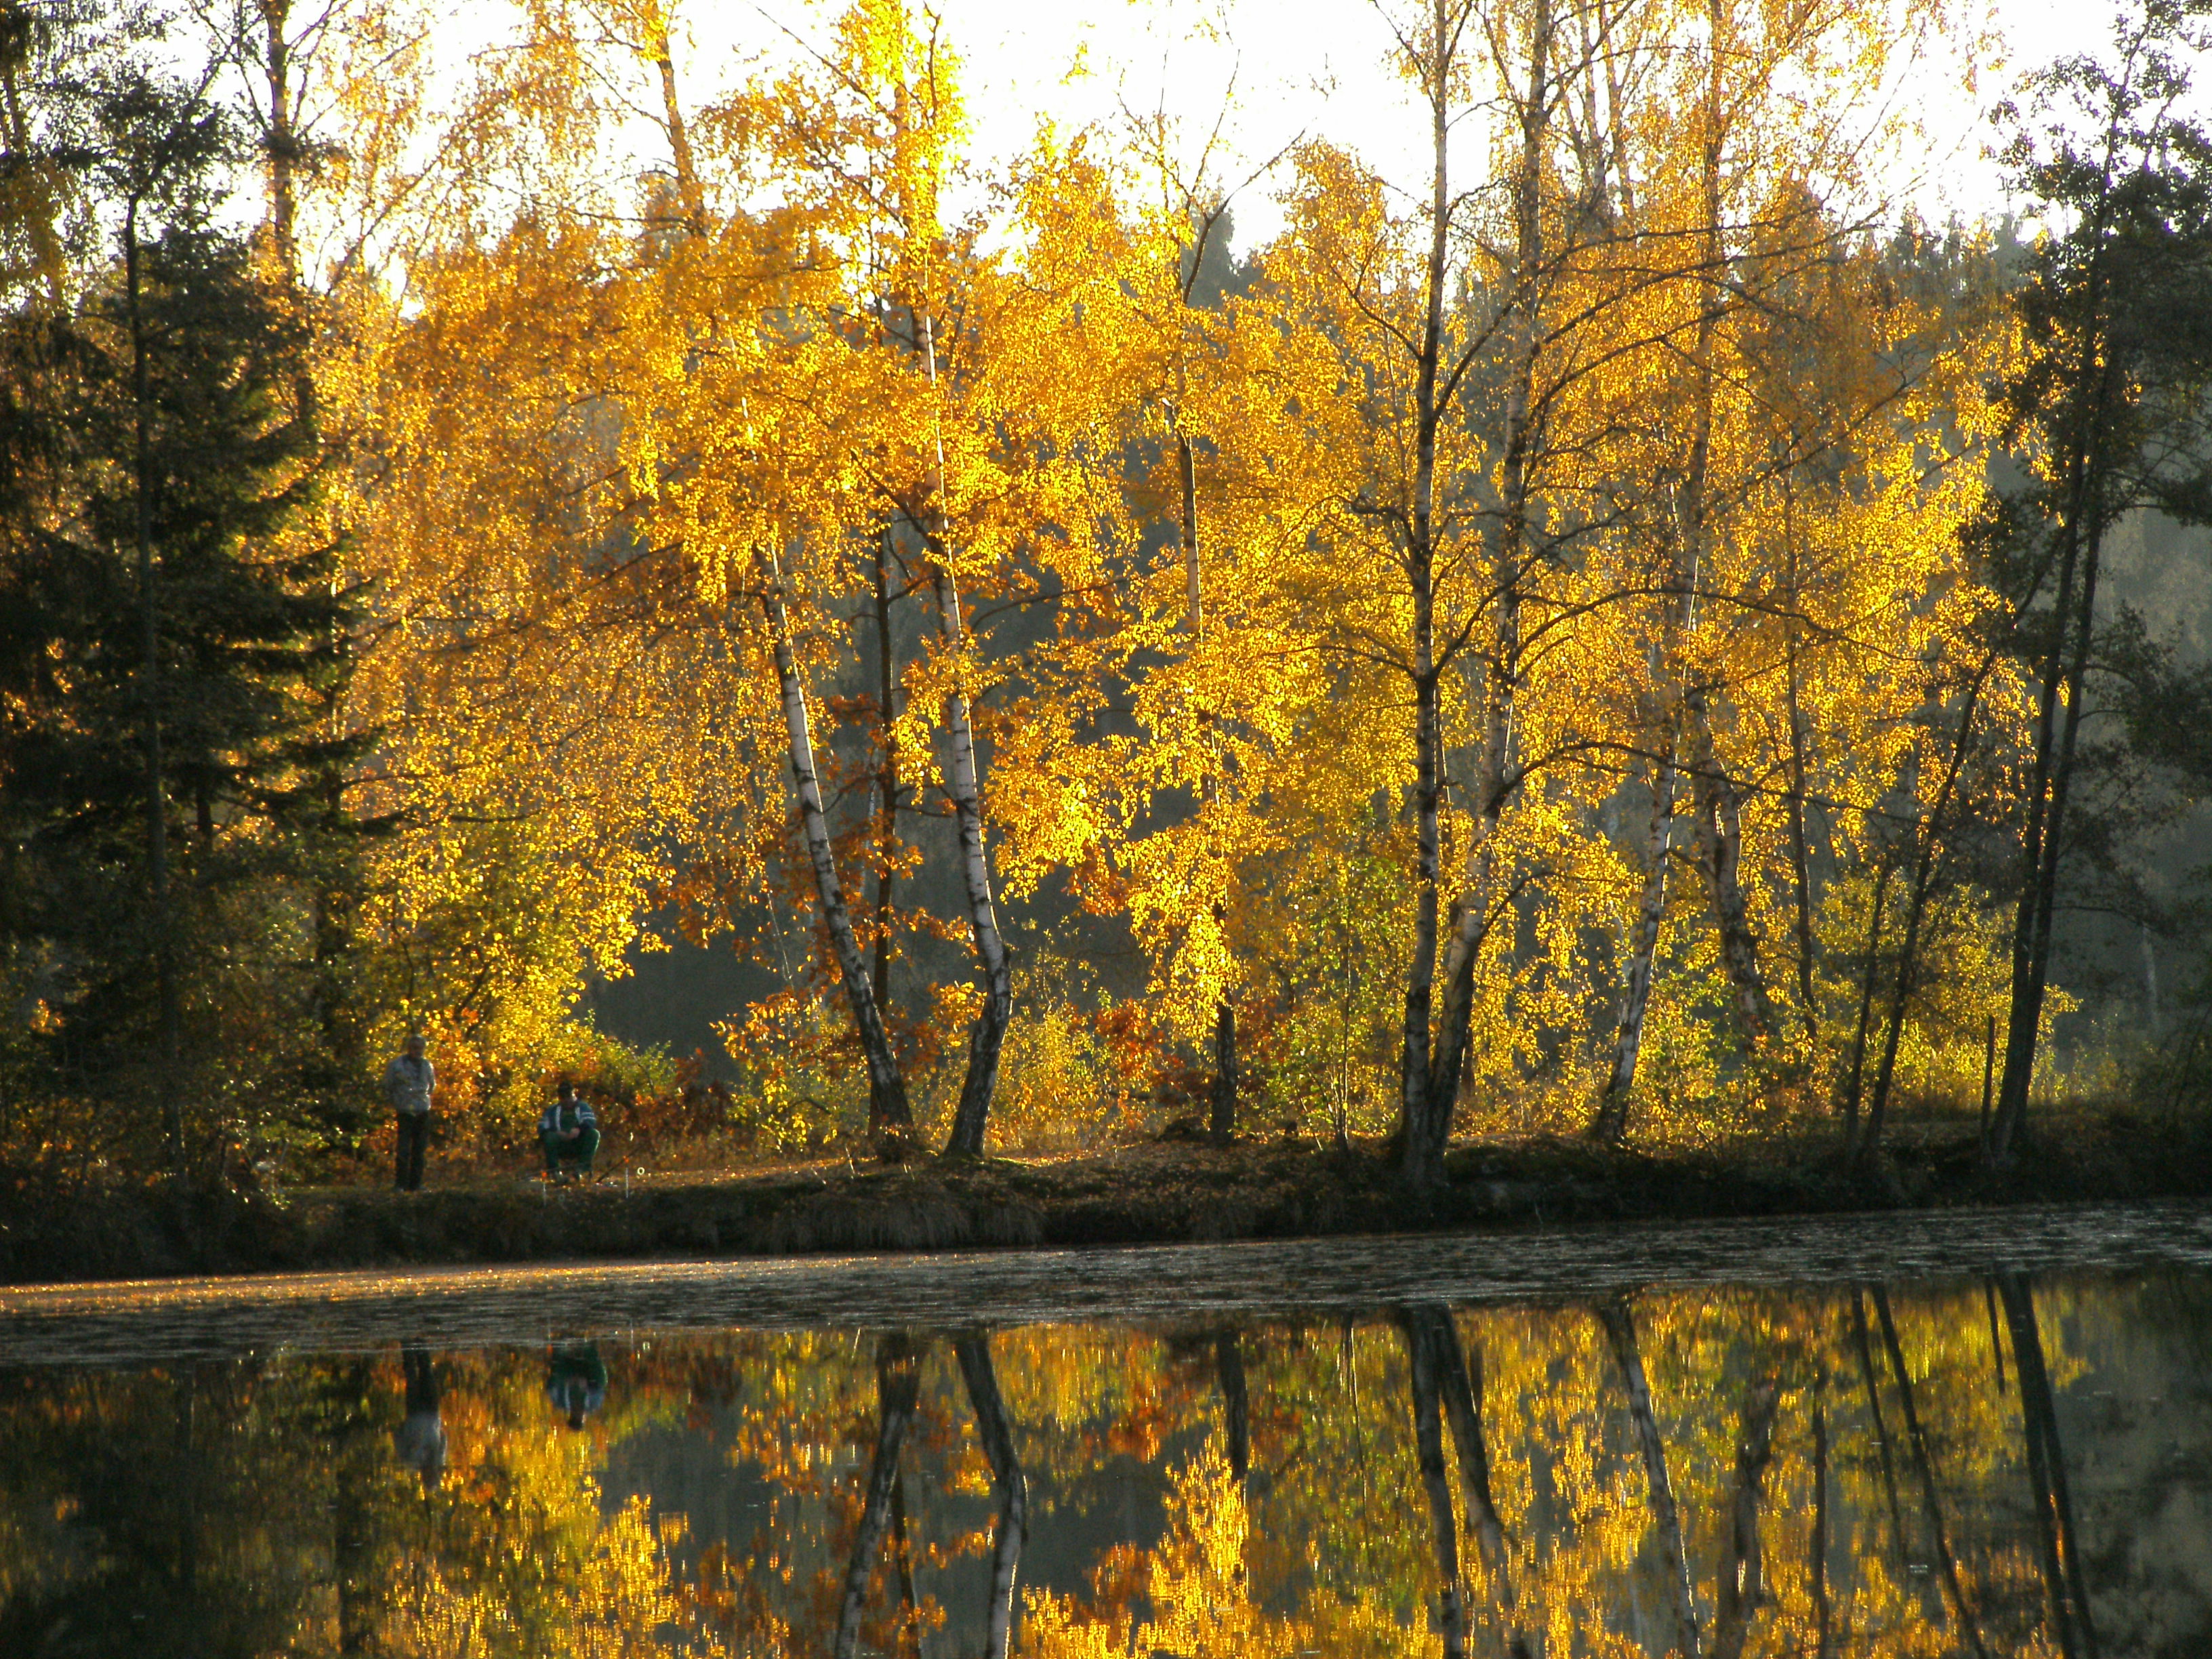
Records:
x=1986, y=1435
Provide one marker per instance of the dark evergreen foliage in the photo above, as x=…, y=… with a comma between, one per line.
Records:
x=172, y=630
x=2116, y=303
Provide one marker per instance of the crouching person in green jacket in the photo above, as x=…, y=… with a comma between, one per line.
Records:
x=569, y=1132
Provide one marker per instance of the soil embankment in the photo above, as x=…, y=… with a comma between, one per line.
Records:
x=1148, y=1195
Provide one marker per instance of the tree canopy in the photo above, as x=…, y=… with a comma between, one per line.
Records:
x=1612, y=641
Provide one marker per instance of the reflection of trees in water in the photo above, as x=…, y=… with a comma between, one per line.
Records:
x=1739, y=1587
x=163, y=1513
x=997, y=1433
x=1924, y=1464
x=1816, y=1562
x=1755, y=1474
x=1236, y=1401
x=1444, y=1384
x=1665, y=1519
x=2046, y=1474
x=262, y=1507
x=898, y=1393
x=1864, y=1347
x=1422, y=1365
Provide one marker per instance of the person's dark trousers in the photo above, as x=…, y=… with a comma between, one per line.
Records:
x=414, y=1141
x=580, y=1151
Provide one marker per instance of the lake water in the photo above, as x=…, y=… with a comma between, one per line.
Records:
x=1984, y=1434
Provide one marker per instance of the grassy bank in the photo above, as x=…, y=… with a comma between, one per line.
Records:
x=1155, y=1193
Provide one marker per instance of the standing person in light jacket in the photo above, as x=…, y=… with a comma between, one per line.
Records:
x=569, y=1131
x=409, y=1081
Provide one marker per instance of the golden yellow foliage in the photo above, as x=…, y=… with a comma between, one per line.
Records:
x=1510, y=632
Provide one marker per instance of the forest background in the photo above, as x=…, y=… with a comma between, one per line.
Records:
x=1640, y=635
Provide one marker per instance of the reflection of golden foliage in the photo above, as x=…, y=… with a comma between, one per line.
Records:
x=1328, y=1547
x=1335, y=1557
x=517, y=1555
x=1198, y=1594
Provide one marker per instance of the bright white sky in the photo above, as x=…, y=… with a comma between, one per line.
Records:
x=1314, y=67
x=1321, y=66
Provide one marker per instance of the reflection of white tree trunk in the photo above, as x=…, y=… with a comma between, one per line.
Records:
x=1460, y=1375
x=898, y=1392
x=1743, y=1574
x=2046, y=1473
x=996, y=1431
x=1881, y=1429
x=1436, y=1482
x=1235, y=1403
x=1924, y=1465
x=886, y=1089
x=1817, y=1566
x=1620, y=1333
x=903, y=1548
x=353, y=1555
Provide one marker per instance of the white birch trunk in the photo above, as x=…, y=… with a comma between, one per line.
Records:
x=1611, y=1122
x=1419, y=1141
x=962, y=783
x=679, y=138
x=1470, y=912
x=1222, y=1115
x=1715, y=815
x=886, y=1088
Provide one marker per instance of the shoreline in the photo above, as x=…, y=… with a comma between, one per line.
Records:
x=1149, y=1194
x=1352, y=1280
